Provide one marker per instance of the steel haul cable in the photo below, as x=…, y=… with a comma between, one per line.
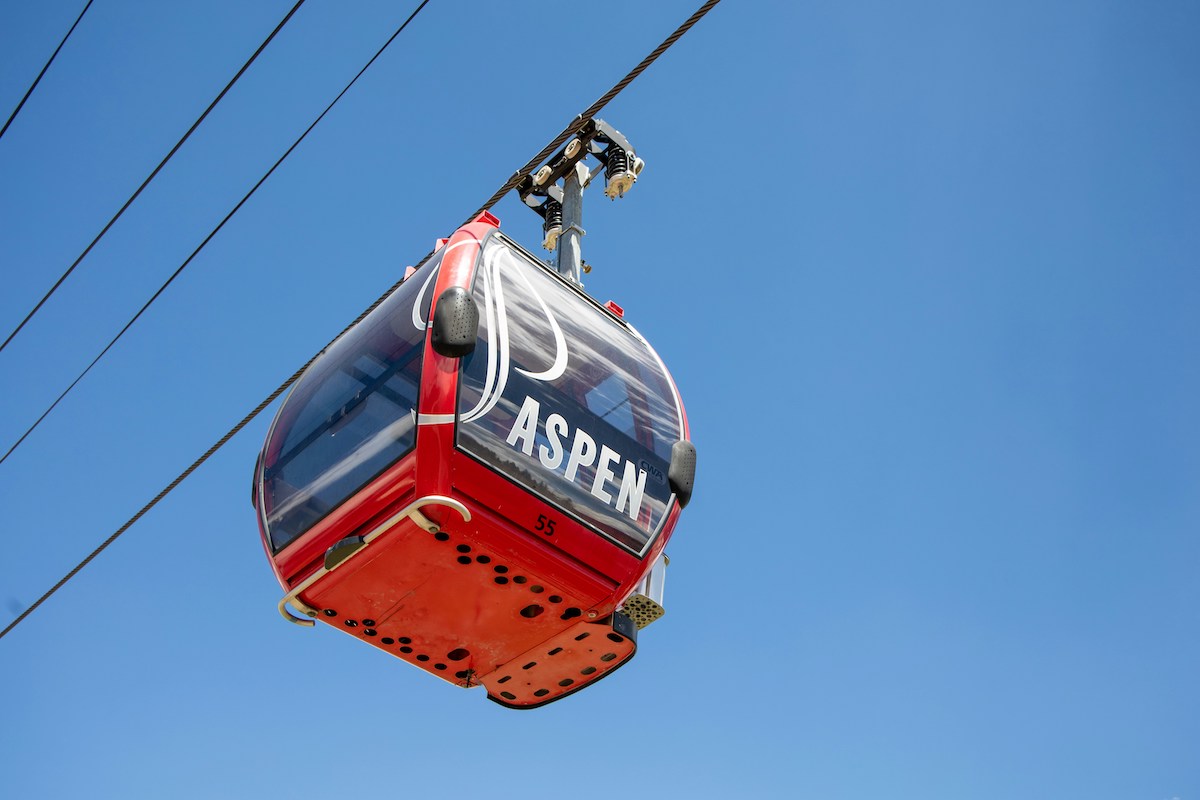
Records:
x=559, y=140
x=595, y=107
x=38, y=79
x=150, y=177
x=208, y=238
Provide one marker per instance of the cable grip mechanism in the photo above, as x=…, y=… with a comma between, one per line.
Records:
x=560, y=206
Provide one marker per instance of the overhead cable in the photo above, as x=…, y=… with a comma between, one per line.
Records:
x=152, y=175
x=594, y=108
x=567, y=132
x=38, y=79
x=208, y=238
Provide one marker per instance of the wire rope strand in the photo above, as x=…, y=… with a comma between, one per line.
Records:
x=595, y=107
x=153, y=174
x=38, y=79
x=208, y=238
x=271, y=398
x=170, y=487
x=567, y=132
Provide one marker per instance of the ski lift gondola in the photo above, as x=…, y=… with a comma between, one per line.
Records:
x=480, y=477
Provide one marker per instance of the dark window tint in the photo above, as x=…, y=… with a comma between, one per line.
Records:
x=565, y=400
x=350, y=416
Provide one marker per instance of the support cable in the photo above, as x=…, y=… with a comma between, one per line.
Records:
x=152, y=175
x=559, y=140
x=208, y=238
x=38, y=79
x=595, y=108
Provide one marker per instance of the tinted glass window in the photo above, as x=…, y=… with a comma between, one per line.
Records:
x=350, y=416
x=565, y=400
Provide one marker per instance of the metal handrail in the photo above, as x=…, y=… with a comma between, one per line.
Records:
x=411, y=511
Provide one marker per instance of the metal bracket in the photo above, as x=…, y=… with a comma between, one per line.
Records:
x=411, y=511
x=561, y=209
x=644, y=604
x=593, y=138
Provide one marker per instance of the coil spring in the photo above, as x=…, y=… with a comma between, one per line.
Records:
x=618, y=162
x=552, y=215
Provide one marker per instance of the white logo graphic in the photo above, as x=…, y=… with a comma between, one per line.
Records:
x=496, y=314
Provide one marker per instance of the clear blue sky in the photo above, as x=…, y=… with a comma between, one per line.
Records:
x=926, y=274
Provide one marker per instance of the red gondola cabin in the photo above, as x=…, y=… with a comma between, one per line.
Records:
x=480, y=477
